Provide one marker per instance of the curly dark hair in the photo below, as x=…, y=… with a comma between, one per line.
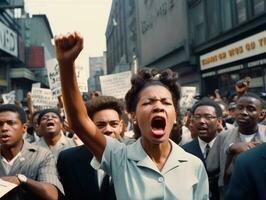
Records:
x=104, y=102
x=150, y=76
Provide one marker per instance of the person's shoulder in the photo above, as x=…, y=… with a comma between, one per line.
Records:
x=251, y=156
x=189, y=144
x=72, y=151
x=34, y=147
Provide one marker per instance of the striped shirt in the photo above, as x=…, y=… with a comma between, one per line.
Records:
x=35, y=163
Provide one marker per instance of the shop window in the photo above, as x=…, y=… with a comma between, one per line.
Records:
x=241, y=10
x=258, y=6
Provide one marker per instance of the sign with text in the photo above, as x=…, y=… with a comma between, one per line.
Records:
x=9, y=98
x=250, y=46
x=116, y=85
x=54, y=77
x=187, y=98
x=8, y=40
x=43, y=98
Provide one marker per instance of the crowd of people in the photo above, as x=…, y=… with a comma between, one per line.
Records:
x=84, y=150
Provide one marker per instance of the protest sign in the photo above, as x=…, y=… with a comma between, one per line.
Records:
x=54, y=77
x=43, y=98
x=116, y=85
x=187, y=98
x=9, y=98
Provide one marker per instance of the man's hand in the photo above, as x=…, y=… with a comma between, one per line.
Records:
x=242, y=86
x=11, y=179
x=68, y=47
x=237, y=148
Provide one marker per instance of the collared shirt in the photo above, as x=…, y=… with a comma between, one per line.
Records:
x=35, y=163
x=8, y=164
x=203, y=144
x=136, y=176
x=62, y=144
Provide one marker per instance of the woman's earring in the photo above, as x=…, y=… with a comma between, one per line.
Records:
x=135, y=122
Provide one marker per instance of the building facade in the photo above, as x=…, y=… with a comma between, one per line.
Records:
x=25, y=47
x=229, y=43
x=97, y=68
x=121, y=36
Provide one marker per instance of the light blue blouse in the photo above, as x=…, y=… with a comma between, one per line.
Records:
x=135, y=175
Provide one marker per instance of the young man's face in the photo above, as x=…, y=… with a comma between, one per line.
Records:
x=108, y=122
x=248, y=111
x=11, y=129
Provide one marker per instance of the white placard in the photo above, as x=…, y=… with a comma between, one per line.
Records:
x=43, y=98
x=9, y=98
x=54, y=77
x=36, y=85
x=187, y=98
x=5, y=187
x=116, y=85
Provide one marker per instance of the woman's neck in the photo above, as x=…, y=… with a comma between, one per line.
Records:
x=158, y=152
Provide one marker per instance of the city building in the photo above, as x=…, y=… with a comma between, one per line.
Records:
x=121, y=38
x=25, y=46
x=97, y=68
x=229, y=43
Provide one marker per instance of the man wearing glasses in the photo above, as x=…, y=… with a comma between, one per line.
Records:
x=206, y=120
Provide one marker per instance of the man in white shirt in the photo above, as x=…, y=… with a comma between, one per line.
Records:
x=205, y=122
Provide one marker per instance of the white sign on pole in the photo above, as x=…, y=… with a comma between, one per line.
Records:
x=116, y=85
x=54, y=77
x=9, y=98
x=187, y=98
x=43, y=98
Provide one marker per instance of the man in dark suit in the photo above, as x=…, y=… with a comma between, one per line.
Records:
x=206, y=120
x=248, y=179
x=79, y=179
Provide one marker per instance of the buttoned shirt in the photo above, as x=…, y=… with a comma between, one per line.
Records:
x=36, y=163
x=203, y=145
x=62, y=144
x=135, y=175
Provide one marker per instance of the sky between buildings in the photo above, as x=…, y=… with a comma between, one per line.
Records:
x=89, y=17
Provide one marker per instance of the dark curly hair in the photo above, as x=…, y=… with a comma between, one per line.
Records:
x=104, y=102
x=150, y=76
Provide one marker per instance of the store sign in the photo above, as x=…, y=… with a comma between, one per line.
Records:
x=251, y=46
x=8, y=40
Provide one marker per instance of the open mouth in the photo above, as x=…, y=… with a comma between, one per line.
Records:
x=158, y=126
x=50, y=124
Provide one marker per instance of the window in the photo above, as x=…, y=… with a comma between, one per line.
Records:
x=197, y=23
x=226, y=14
x=258, y=6
x=241, y=8
x=212, y=18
